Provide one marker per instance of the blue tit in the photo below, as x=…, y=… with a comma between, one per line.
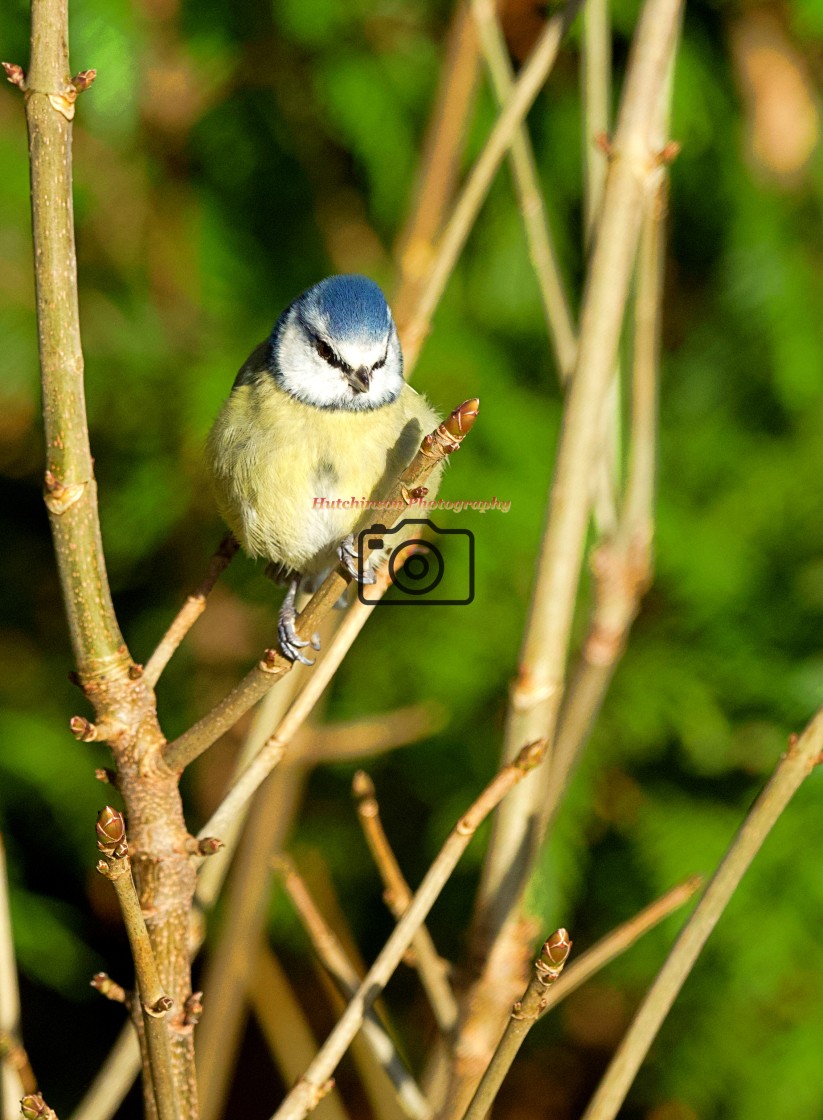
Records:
x=320, y=409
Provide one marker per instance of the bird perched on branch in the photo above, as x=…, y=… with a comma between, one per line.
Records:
x=318, y=410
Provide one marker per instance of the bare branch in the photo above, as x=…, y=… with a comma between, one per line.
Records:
x=304, y=1095
x=792, y=770
x=433, y=970
x=191, y=610
x=525, y=1013
x=442, y=442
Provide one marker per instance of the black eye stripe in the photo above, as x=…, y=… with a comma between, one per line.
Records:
x=328, y=355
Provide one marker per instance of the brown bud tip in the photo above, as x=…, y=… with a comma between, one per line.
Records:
x=362, y=785
x=15, y=74
x=418, y=492
x=531, y=755
x=669, y=152
x=269, y=658
x=83, y=80
x=160, y=1007
x=209, y=845
x=108, y=777
x=82, y=729
x=135, y=672
x=558, y=947
x=111, y=832
x=461, y=421
x=34, y=1107
x=603, y=142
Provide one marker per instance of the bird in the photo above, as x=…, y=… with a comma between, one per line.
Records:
x=319, y=409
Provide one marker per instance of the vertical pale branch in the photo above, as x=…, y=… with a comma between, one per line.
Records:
x=622, y=565
x=530, y=199
x=70, y=489
x=537, y=692
x=431, y=967
x=795, y=766
x=596, y=73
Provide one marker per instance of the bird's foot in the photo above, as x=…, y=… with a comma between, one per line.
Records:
x=290, y=641
x=350, y=559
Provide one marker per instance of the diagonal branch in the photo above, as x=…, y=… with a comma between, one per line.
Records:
x=334, y=958
x=525, y=1013
x=191, y=610
x=794, y=767
x=435, y=448
x=476, y=187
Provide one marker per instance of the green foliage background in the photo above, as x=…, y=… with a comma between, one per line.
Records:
x=231, y=154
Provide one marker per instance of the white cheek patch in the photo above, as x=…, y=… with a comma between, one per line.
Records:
x=309, y=378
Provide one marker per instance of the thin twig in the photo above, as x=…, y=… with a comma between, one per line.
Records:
x=154, y=1003
x=618, y=940
x=436, y=447
x=285, y=1028
x=596, y=75
x=431, y=967
x=189, y=613
x=476, y=187
x=792, y=770
x=334, y=958
x=304, y=1096
x=525, y=1013
x=529, y=196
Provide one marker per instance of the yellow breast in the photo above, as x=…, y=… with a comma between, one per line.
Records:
x=271, y=457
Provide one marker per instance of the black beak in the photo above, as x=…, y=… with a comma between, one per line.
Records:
x=359, y=379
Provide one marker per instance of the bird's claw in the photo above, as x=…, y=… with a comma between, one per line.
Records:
x=350, y=559
x=290, y=641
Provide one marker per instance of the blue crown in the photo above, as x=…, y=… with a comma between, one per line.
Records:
x=348, y=307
